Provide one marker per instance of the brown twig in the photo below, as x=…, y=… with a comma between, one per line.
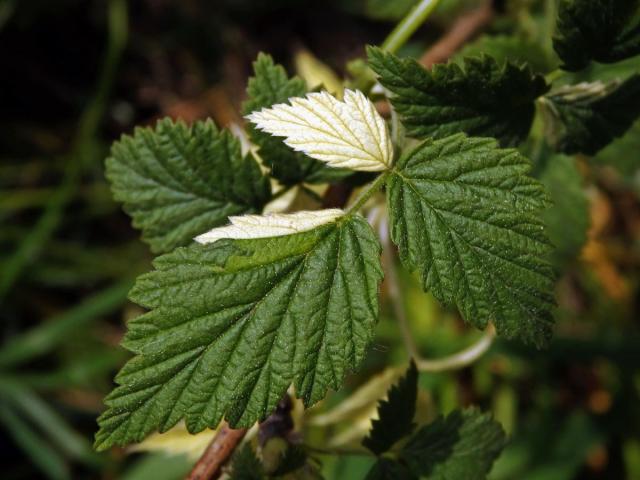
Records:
x=463, y=30
x=209, y=465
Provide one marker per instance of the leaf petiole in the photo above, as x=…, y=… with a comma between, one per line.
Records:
x=408, y=25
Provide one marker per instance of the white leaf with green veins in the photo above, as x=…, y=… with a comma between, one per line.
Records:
x=349, y=134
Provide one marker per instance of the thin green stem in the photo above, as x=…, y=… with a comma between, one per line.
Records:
x=409, y=24
x=553, y=76
x=455, y=361
x=367, y=193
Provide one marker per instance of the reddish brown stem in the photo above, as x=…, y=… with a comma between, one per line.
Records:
x=463, y=30
x=209, y=465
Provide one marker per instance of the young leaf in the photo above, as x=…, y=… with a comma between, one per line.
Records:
x=586, y=117
x=271, y=225
x=349, y=134
x=395, y=415
x=235, y=322
x=465, y=214
x=606, y=31
x=269, y=86
x=480, y=98
x=463, y=445
x=177, y=181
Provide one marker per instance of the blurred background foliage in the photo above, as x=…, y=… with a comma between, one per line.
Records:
x=78, y=73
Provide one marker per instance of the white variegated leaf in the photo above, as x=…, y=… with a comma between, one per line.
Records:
x=271, y=225
x=348, y=134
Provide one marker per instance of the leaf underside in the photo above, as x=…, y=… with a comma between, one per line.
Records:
x=465, y=214
x=177, y=181
x=580, y=123
x=605, y=31
x=480, y=98
x=269, y=86
x=234, y=323
x=395, y=414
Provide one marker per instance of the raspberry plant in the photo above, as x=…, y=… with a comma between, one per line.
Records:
x=262, y=304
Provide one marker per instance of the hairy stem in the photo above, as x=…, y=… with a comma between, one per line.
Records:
x=209, y=465
x=452, y=362
x=409, y=24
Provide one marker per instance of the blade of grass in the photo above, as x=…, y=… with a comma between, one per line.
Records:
x=46, y=336
x=50, y=462
x=49, y=422
x=82, y=152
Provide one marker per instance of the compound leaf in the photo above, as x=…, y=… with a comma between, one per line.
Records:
x=270, y=85
x=233, y=323
x=606, y=31
x=465, y=214
x=395, y=414
x=463, y=445
x=177, y=181
x=586, y=117
x=480, y=98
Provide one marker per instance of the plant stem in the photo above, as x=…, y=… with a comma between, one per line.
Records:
x=452, y=362
x=367, y=193
x=553, y=76
x=209, y=466
x=409, y=24
x=460, y=359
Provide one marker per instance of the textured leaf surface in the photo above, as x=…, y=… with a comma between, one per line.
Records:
x=466, y=215
x=586, y=117
x=344, y=134
x=463, y=445
x=270, y=85
x=481, y=98
x=567, y=219
x=395, y=415
x=178, y=181
x=602, y=30
x=234, y=323
x=270, y=225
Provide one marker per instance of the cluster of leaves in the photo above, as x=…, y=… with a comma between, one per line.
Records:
x=235, y=322
x=464, y=444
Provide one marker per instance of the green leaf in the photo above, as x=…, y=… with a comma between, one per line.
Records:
x=586, y=117
x=178, y=181
x=234, y=323
x=568, y=218
x=387, y=469
x=246, y=465
x=606, y=31
x=466, y=215
x=395, y=415
x=270, y=85
x=481, y=97
x=463, y=445
x=508, y=48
